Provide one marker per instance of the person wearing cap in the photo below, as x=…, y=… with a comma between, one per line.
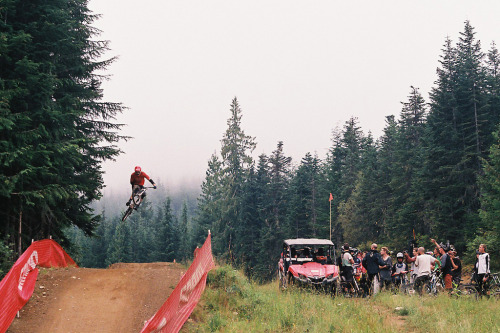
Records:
x=137, y=181
x=456, y=263
x=399, y=269
x=347, y=267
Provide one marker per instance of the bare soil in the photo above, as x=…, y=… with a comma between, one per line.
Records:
x=118, y=299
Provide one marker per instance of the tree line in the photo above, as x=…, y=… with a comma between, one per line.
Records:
x=433, y=172
x=157, y=231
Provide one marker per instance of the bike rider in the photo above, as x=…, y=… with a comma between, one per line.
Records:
x=137, y=182
x=399, y=270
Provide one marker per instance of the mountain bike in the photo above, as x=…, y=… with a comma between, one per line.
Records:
x=490, y=288
x=494, y=287
x=435, y=284
x=137, y=197
x=459, y=289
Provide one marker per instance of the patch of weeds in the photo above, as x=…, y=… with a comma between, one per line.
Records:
x=216, y=323
x=401, y=311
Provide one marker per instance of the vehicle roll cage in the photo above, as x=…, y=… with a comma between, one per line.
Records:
x=299, y=251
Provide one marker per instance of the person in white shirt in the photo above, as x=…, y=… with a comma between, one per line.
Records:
x=483, y=268
x=423, y=263
x=347, y=269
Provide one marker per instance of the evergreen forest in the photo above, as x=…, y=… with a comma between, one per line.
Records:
x=434, y=172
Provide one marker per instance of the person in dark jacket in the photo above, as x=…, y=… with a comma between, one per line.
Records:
x=371, y=262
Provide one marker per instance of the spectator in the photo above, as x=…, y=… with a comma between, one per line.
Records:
x=456, y=271
x=423, y=263
x=413, y=269
x=371, y=262
x=483, y=268
x=399, y=270
x=347, y=270
x=385, y=269
x=445, y=264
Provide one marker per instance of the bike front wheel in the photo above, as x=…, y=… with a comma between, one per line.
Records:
x=127, y=213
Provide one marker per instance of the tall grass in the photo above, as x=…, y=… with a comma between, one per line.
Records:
x=232, y=304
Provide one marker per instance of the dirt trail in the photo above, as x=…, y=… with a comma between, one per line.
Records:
x=118, y=299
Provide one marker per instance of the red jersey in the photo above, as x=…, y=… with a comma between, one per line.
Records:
x=138, y=179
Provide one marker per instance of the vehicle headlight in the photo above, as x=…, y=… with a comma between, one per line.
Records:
x=302, y=277
x=330, y=276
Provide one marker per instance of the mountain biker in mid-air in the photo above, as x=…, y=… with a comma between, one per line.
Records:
x=137, y=182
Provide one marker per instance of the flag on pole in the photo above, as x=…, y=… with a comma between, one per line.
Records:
x=331, y=197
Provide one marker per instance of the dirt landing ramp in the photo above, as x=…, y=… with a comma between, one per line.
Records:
x=83, y=300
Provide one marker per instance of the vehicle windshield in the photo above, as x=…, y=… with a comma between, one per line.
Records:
x=301, y=253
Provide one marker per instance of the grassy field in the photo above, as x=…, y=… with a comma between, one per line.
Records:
x=232, y=304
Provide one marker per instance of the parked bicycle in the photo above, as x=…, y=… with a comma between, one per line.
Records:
x=137, y=197
x=435, y=284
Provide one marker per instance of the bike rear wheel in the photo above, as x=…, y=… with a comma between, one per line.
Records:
x=469, y=290
x=495, y=290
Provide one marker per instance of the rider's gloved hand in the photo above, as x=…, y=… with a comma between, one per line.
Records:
x=154, y=186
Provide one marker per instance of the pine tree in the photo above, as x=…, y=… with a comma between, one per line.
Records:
x=184, y=250
x=209, y=203
x=455, y=140
x=167, y=240
x=408, y=200
x=489, y=227
x=304, y=202
x=236, y=160
x=54, y=129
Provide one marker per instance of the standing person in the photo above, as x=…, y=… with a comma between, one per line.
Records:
x=371, y=262
x=445, y=264
x=347, y=262
x=436, y=254
x=483, y=268
x=411, y=260
x=137, y=182
x=456, y=271
x=399, y=269
x=423, y=263
x=386, y=268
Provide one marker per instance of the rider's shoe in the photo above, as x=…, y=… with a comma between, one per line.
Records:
x=128, y=203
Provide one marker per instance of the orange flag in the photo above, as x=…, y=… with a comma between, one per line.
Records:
x=331, y=197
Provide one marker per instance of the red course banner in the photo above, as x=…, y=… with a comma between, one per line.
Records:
x=18, y=285
x=179, y=305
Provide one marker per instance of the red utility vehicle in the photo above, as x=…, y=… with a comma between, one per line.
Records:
x=308, y=262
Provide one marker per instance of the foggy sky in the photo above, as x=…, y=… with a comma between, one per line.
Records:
x=298, y=69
